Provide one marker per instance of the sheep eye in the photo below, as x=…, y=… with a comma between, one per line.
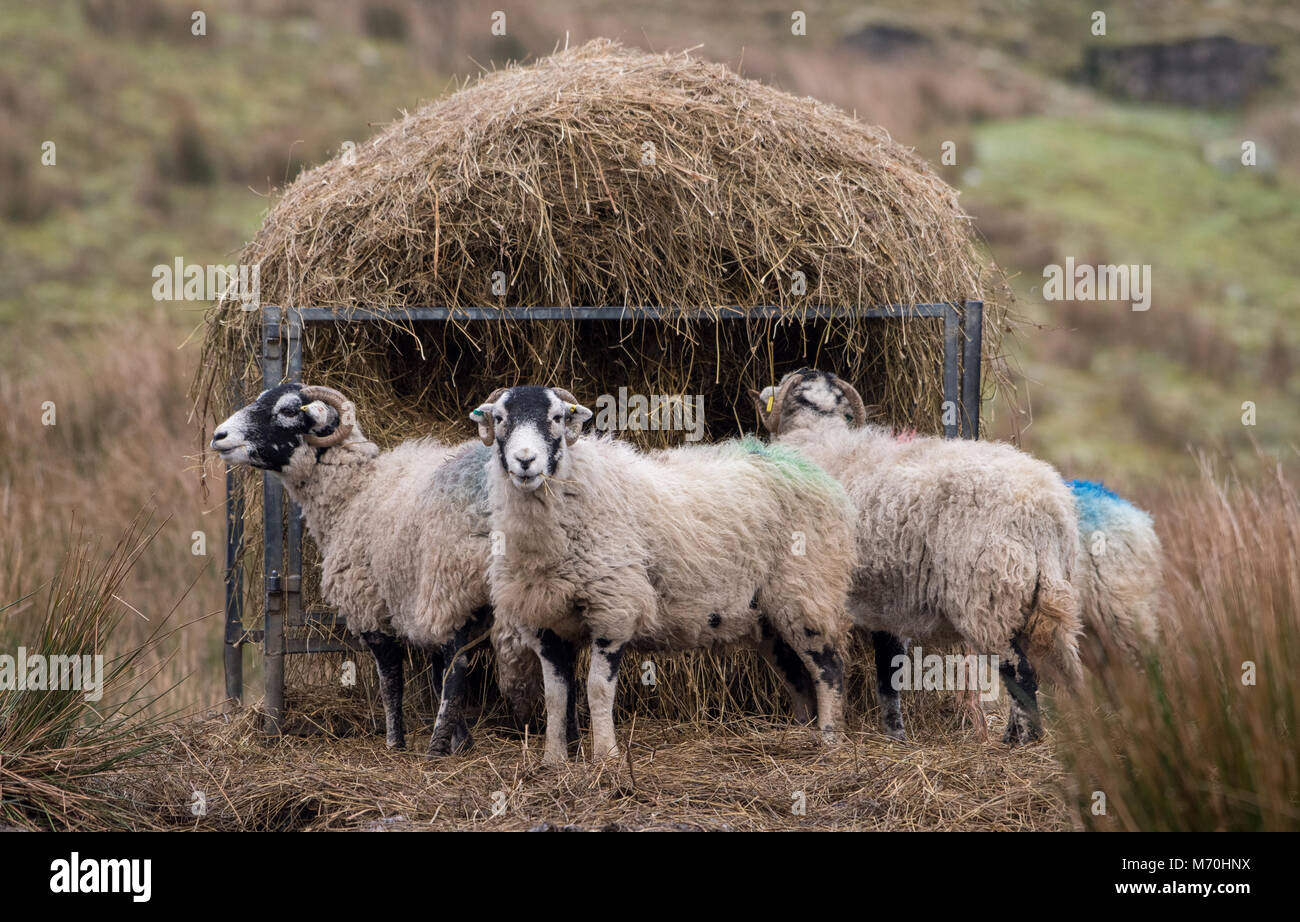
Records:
x=557, y=418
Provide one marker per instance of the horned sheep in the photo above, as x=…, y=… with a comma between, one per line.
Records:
x=403, y=539
x=694, y=547
x=957, y=541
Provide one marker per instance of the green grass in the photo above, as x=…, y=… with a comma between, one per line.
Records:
x=1131, y=185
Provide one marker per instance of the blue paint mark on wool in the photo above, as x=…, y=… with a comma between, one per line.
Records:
x=1097, y=505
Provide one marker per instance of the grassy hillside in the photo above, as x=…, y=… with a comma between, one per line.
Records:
x=1129, y=389
x=170, y=144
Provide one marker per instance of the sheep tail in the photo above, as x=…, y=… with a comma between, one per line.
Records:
x=1052, y=629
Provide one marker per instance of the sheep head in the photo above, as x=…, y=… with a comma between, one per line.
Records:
x=810, y=392
x=532, y=427
x=266, y=433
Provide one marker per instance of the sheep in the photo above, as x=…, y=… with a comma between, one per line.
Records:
x=1119, y=582
x=403, y=540
x=694, y=547
x=957, y=541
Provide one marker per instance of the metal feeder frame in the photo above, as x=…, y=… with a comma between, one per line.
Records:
x=281, y=361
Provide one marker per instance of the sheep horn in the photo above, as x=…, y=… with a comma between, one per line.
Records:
x=347, y=416
x=565, y=395
x=855, y=401
x=773, y=419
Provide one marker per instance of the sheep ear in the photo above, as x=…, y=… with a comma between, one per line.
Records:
x=321, y=415
x=483, y=416
x=575, y=414
x=761, y=401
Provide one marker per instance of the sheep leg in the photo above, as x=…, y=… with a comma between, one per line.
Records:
x=971, y=700
x=602, y=685
x=786, y=663
x=556, y=656
x=826, y=666
x=387, y=651
x=887, y=648
x=1024, y=724
x=450, y=733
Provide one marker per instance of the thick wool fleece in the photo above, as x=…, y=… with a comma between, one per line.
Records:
x=674, y=549
x=403, y=537
x=956, y=539
x=1119, y=579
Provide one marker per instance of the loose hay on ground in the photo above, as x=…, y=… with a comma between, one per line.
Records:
x=741, y=775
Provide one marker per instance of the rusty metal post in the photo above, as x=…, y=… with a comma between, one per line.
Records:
x=273, y=552
x=972, y=332
x=951, y=371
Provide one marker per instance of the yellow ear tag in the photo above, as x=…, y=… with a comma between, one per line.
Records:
x=573, y=408
x=770, y=399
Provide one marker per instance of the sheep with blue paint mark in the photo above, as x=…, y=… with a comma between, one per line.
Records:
x=685, y=548
x=957, y=541
x=403, y=538
x=1119, y=582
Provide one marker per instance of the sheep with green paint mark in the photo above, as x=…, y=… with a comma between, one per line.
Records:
x=685, y=548
x=957, y=540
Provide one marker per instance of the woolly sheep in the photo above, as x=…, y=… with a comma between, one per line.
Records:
x=702, y=546
x=403, y=540
x=957, y=541
x=1119, y=580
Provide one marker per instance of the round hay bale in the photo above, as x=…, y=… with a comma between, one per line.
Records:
x=604, y=176
x=607, y=176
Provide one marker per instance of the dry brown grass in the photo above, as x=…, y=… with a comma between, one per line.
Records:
x=119, y=444
x=1190, y=743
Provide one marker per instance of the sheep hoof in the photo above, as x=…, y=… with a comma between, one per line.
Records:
x=554, y=760
x=1018, y=734
x=397, y=743
x=896, y=733
x=449, y=745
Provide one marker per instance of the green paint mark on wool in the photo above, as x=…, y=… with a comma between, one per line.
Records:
x=792, y=463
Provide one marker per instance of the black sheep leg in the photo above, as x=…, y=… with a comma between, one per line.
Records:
x=450, y=732
x=388, y=653
x=888, y=647
x=1024, y=725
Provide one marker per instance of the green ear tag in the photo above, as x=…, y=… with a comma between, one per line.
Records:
x=476, y=413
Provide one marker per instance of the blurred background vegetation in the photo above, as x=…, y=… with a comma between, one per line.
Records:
x=1122, y=148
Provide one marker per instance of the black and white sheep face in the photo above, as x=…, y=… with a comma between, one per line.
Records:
x=532, y=428
x=809, y=397
x=267, y=432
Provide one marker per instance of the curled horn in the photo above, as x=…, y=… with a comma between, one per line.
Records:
x=496, y=395
x=772, y=419
x=347, y=416
x=855, y=401
x=565, y=395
